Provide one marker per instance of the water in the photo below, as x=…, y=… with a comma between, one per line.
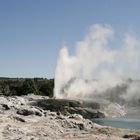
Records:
x=131, y=122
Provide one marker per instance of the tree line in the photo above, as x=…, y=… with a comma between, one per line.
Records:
x=24, y=86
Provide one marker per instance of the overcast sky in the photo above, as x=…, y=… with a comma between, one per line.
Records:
x=32, y=31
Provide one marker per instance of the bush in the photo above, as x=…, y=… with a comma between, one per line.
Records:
x=25, y=86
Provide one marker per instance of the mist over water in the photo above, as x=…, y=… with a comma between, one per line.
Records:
x=98, y=70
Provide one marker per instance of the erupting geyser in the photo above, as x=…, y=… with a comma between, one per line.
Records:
x=98, y=70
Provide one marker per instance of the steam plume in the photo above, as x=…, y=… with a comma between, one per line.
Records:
x=97, y=70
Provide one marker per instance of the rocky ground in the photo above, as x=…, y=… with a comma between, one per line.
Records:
x=39, y=118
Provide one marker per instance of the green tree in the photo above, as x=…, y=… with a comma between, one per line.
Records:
x=46, y=87
x=29, y=86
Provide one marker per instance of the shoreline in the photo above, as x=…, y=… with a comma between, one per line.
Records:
x=20, y=119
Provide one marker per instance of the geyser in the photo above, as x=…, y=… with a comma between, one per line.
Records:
x=99, y=70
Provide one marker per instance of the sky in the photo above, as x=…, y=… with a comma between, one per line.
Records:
x=33, y=31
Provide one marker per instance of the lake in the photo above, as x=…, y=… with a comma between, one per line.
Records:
x=131, y=122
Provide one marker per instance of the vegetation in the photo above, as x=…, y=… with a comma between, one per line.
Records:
x=24, y=86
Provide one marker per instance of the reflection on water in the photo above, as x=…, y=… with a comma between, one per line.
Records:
x=131, y=122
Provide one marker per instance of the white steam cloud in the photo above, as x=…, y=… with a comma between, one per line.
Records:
x=96, y=69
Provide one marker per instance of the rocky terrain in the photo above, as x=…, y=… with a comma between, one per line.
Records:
x=40, y=118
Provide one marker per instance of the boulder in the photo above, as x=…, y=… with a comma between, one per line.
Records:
x=26, y=112
x=88, y=110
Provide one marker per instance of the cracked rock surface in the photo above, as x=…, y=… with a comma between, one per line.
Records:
x=21, y=118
